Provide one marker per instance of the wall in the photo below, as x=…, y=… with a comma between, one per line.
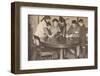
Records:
x=5, y=38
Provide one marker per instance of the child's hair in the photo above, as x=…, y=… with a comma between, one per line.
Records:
x=74, y=21
x=45, y=17
x=67, y=19
x=81, y=20
x=54, y=20
x=61, y=19
x=48, y=24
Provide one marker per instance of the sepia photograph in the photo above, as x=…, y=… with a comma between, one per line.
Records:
x=57, y=37
x=52, y=37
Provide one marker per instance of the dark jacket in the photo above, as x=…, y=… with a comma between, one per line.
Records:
x=81, y=32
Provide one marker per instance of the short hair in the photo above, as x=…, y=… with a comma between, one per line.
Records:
x=81, y=20
x=67, y=19
x=74, y=21
x=55, y=20
x=46, y=17
x=48, y=24
x=61, y=19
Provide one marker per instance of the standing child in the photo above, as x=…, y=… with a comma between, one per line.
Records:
x=82, y=36
x=40, y=30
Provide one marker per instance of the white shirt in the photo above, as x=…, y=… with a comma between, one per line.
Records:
x=40, y=29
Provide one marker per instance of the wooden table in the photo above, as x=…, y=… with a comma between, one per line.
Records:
x=56, y=44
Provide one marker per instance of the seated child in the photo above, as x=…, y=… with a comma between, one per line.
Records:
x=55, y=28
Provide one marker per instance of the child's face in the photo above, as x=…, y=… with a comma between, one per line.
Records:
x=80, y=23
x=55, y=24
x=74, y=25
x=67, y=21
x=47, y=20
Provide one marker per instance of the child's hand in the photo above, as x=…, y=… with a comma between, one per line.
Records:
x=50, y=36
x=71, y=35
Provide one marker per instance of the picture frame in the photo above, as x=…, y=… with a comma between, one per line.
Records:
x=22, y=10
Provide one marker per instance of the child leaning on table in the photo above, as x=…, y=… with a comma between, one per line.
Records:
x=54, y=28
x=73, y=35
x=40, y=30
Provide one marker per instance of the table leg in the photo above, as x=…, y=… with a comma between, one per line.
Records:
x=61, y=53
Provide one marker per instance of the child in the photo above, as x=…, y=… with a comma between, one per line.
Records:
x=73, y=35
x=55, y=28
x=40, y=32
x=62, y=26
x=82, y=36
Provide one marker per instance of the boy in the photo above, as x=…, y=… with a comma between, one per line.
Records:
x=73, y=36
x=40, y=30
x=83, y=38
